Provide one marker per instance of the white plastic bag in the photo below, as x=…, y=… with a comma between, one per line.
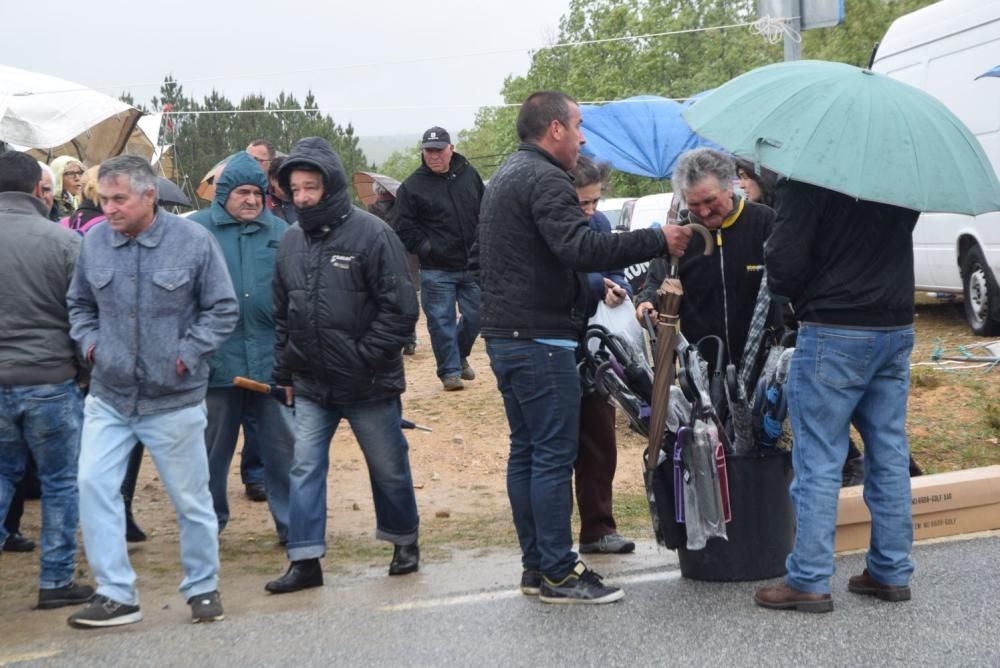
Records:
x=619, y=320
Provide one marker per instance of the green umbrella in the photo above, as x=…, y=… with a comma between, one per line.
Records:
x=853, y=131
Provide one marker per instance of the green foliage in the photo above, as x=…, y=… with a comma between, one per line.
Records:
x=674, y=66
x=401, y=164
x=202, y=139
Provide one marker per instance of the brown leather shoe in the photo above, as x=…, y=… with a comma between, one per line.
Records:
x=869, y=586
x=783, y=597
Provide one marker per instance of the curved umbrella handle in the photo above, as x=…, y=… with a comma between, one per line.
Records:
x=705, y=235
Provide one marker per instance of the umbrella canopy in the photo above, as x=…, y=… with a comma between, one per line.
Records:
x=54, y=117
x=853, y=131
x=371, y=186
x=642, y=135
x=170, y=194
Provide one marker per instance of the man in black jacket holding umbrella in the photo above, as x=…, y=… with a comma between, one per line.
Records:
x=533, y=240
x=343, y=308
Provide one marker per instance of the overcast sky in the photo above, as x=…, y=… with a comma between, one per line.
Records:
x=357, y=57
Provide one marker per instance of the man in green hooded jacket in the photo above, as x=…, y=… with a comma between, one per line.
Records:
x=249, y=236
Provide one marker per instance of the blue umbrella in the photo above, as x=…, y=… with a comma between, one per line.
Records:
x=994, y=72
x=641, y=135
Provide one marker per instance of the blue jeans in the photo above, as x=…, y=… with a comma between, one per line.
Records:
x=230, y=407
x=45, y=421
x=451, y=339
x=541, y=395
x=837, y=373
x=376, y=426
x=176, y=442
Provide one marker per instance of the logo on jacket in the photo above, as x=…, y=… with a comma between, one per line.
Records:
x=754, y=267
x=341, y=261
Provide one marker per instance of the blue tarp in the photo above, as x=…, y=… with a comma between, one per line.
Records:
x=995, y=72
x=641, y=135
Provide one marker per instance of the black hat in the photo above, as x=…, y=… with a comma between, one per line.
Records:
x=436, y=138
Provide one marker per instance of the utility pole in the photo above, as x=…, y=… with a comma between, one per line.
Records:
x=793, y=10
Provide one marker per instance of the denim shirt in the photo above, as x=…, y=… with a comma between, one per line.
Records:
x=146, y=302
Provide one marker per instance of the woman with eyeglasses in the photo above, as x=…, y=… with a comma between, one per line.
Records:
x=68, y=173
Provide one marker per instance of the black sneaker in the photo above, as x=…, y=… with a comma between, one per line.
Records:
x=206, y=607
x=71, y=594
x=17, y=543
x=531, y=582
x=613, y=543
x=256, y=491
x=582, y=585
x=103, y=611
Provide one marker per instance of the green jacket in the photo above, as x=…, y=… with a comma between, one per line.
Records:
x=250, y=250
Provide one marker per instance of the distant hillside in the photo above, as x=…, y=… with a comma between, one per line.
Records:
x=379, y=147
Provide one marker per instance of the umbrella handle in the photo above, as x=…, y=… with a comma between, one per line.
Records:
x=705, y=235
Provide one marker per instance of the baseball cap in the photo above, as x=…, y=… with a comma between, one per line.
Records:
x=436, y=137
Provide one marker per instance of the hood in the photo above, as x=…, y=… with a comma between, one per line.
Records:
x=240, y=171
x=315, y=153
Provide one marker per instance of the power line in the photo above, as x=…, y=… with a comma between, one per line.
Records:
x=425, y=59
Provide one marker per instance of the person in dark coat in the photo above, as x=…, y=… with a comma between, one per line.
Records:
x=533, y=241
x=436, y=217
x=343, y=308
x=846, y=267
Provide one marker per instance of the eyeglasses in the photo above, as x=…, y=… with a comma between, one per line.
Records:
x=75, y=174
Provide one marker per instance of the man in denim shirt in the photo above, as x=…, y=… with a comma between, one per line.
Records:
x=150, y=302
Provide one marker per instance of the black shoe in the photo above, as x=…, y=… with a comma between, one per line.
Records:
x=206, y=607
x=612, y=543
x=410, y=349
x=405, y=559
x=300, y=575
x=582, y=585
x=853, y=472
x=103, y=611
x=71, y=594
x=256, y=491
x=17, y=543
x=531, y=582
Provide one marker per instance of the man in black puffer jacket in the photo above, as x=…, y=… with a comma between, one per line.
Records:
x=343, y=308
x=533, y=240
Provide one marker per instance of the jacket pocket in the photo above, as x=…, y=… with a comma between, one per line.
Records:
x=172, y=289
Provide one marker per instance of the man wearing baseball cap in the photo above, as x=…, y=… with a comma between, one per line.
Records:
x=437, y=215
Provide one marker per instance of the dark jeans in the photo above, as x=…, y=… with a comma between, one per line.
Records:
x=541, y=396
x=451, y=338
x=595, y=468
x=251, y=464
x=27, y=488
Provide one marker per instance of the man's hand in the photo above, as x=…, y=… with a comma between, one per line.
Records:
x=678, y=237
x=614, y=294
x=289, y=394
x=181, y=368
x=642, y=308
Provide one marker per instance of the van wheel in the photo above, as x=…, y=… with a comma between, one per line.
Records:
x=979, y=287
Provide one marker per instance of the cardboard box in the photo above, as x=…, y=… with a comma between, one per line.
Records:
x=944, y=504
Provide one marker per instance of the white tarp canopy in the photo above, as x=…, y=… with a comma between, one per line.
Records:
x=56, y=117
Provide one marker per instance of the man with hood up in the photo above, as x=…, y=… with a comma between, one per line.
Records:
x=249, y=235
x=344, y=307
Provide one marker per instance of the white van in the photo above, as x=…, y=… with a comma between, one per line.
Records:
x=647, y=211
x=942, y=49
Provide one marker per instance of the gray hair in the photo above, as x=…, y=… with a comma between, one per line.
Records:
x=700, y=164
x=48, y=170
x=139, y=172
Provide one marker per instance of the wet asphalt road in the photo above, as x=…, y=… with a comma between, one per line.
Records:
x=467, y=611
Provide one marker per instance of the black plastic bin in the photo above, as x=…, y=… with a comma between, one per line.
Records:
x=762, y=531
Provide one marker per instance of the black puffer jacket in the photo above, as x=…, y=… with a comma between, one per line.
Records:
x=841, y=261
x=344, y=305
x=436, y=215
x=533, y=241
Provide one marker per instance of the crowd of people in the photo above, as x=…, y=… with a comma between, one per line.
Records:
x=132, y=324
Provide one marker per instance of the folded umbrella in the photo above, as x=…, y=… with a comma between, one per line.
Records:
x=852, y=131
